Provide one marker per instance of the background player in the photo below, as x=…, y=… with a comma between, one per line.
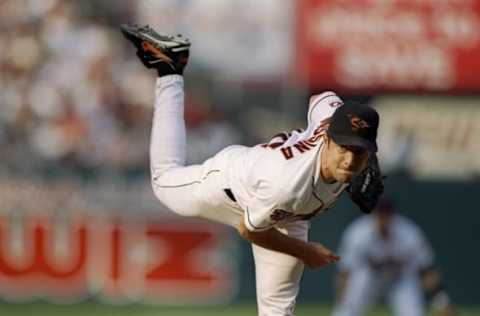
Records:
x=267, y=192
x=386, y=256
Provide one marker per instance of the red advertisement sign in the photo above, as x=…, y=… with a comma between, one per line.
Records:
x=114, y=260
x=377, y=46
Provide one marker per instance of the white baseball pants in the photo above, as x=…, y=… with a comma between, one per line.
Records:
x=198, y=191
x=364, y=288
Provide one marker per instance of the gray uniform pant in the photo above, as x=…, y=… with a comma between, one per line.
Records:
x=364, y=288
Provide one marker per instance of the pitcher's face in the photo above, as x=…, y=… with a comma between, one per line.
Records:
x=344, y=162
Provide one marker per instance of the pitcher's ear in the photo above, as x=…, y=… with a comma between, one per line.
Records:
x=328, y=140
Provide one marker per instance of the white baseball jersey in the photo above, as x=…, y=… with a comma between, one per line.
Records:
x=280, y=181
x=406, y=250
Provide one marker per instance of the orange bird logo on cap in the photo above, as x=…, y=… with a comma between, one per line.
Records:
x=357, y=123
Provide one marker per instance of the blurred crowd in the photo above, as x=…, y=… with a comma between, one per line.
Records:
x=72, y=96
x=68, y=197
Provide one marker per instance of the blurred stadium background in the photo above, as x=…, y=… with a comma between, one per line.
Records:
x=80, y=230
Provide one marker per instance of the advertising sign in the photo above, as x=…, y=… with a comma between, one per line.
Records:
x=431, y=137
x=114, y=260
x=376, y=45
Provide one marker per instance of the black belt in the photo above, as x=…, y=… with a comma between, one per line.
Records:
x=229, y=193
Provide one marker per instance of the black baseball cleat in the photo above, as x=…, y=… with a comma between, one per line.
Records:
x=167, y=54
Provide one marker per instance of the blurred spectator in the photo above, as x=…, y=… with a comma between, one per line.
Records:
x=209, y=131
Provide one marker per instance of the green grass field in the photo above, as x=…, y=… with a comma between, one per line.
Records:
x=94, y=309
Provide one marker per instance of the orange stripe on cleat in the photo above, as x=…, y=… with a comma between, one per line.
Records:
x=158, y=53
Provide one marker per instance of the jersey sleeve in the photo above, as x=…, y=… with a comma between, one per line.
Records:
x=266, y=209
x=422, y=248
x=352, y=246
x=322, y=106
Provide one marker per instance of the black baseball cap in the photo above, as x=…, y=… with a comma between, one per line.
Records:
x=355, y=124
x=385, y=205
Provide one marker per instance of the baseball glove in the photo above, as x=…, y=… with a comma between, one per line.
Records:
x=367, y=187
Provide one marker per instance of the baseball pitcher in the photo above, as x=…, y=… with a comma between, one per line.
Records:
x=267, y=192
